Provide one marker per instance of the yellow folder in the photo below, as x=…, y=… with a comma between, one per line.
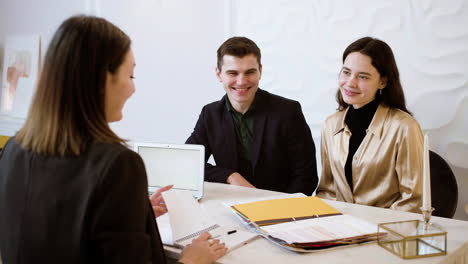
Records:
x=3, y=141
x=284, y=210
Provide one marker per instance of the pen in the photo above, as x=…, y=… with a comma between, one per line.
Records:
x=231, y=232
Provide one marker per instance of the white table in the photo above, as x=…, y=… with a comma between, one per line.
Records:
x=261, y=251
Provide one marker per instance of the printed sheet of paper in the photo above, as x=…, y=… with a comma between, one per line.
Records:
x=322, y=229
x=185, y=214
x=188, y=220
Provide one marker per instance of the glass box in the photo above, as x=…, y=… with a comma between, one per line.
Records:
x=413, y=239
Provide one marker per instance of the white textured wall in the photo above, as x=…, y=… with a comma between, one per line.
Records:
x=175, y=44
x=302, y=42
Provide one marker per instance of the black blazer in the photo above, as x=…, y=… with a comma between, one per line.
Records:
x=93, y=208
x=283, y=153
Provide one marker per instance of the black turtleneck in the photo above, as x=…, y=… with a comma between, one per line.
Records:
x=358, y=121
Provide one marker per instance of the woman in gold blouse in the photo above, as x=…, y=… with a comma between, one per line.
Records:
x=372, y=147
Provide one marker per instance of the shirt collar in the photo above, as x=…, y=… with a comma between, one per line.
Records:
x=341, y=125
x=250, y=110
x=376, y=125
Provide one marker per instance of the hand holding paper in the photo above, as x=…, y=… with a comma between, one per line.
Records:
x=188, y=221
x=203, y=250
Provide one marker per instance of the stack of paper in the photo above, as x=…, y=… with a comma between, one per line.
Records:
x=305, y=224
x=187, y=221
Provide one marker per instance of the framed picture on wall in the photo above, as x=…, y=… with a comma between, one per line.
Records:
x=20, y=71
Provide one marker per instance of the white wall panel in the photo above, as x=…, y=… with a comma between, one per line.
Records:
x=175, y=44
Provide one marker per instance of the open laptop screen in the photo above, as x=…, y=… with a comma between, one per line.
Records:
x=181, y=165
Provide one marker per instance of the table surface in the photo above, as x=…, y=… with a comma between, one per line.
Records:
x=217, y=197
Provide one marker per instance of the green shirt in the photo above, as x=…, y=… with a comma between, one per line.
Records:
x=244, y=124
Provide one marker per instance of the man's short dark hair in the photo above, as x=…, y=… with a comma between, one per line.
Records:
x=238, y=47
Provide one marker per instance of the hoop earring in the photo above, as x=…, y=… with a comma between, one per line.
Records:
x=380, y=92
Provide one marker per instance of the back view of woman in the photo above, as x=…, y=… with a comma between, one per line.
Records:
x=70, y=191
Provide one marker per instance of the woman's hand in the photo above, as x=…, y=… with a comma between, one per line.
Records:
x=157, y=201
x=202, y=250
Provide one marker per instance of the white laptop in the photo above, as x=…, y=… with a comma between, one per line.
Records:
x=181, y=165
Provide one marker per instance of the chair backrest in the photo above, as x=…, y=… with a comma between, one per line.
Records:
x=444, y=189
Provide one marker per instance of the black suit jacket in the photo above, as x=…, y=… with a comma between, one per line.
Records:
x=92, y=208
x=283, y=152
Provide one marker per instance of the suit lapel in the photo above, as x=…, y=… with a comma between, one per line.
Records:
x=259, y=126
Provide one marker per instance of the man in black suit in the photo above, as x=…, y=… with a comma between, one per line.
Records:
x=257, y=139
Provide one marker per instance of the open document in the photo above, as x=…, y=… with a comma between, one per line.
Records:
x=188, y=221
x=305, y=224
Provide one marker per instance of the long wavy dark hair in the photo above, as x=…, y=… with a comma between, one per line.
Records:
x=383, y=60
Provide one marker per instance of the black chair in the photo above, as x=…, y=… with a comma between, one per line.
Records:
x=444, y=189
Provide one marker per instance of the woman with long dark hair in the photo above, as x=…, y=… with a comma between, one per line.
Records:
x=372, y=146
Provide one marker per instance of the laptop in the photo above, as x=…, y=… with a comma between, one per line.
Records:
x=180, y=165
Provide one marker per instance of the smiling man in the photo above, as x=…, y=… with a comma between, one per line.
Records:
x=257, y=139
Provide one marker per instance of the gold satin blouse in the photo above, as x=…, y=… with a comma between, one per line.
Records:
x=386, y=168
